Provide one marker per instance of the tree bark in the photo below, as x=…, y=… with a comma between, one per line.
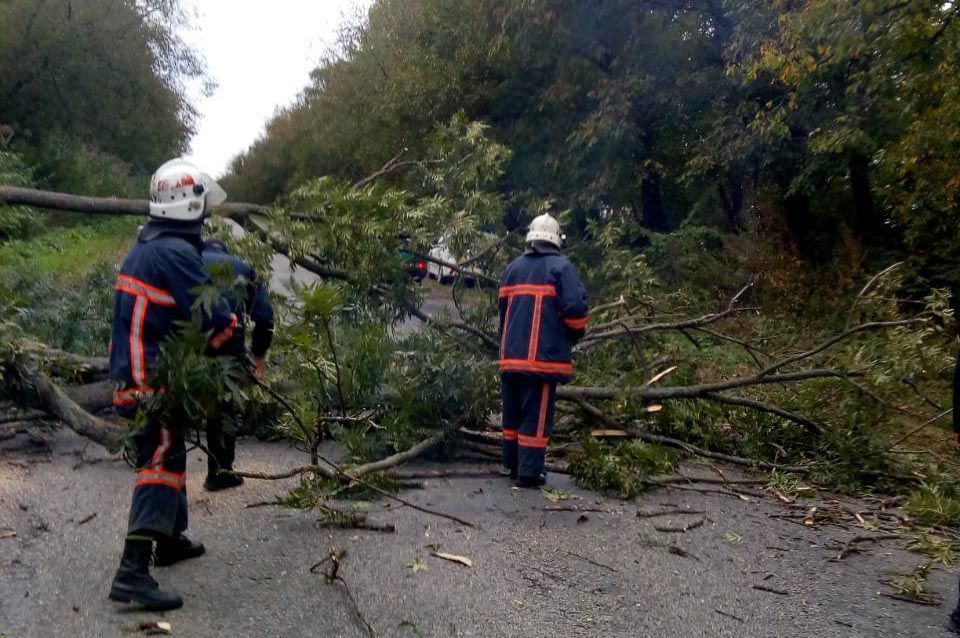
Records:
x=50, y=397
x=15, y=195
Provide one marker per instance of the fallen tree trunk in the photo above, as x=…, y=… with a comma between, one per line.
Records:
x=92, y=397
x=51, y=200
x=50, y=397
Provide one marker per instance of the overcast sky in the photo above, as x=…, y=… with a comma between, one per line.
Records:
x=261, y=55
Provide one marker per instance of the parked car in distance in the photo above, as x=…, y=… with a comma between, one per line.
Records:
x=416, y=266
x=444, y=274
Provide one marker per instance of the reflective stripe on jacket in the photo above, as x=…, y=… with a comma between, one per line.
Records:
x=543, y=312
x=155, y=290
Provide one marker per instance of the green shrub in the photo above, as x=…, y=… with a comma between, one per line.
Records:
x=935, y=503
x=620, y=468
x=16, y=222
x=66, y=164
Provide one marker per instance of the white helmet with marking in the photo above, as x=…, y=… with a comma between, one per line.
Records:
x=179, y=191
x=545, y=228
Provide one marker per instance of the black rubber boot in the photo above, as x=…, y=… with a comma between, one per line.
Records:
x=133, y=583
x=953, y=624
x=508, y=472
x=174, y=550
x=217, y=482
x=532, y=481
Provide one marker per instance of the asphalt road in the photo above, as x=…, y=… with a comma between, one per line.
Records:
x=536, y=573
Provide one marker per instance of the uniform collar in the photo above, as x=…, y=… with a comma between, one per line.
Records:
x=188, y=231
x=541, y=248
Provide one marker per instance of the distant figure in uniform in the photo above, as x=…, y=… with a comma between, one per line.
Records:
x=255, y=303
x=154, y=291
x=543, y=313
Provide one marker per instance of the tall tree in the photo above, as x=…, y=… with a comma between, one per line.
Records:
x=109, y=73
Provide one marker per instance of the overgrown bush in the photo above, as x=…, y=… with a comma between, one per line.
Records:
x=66, y=164
x=620, y=468
x=16, y=222
x=75, y=318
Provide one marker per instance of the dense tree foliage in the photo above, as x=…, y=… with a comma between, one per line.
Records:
x=85, y=81
x=828, y=127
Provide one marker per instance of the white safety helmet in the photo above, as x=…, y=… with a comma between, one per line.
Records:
x=545, y=228
x=180, y=191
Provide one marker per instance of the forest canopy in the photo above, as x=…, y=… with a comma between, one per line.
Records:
x=829, y=127
x=96, y=85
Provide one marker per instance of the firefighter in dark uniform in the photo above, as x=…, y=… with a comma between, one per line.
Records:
x=543, y=313
x=154, y=292
x=253, y=302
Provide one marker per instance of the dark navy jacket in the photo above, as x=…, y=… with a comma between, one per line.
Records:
x=155, y=291
x=255, y=302
x=543, y=312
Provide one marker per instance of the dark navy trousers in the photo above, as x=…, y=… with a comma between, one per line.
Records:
x=159, y=506
x=527, y=423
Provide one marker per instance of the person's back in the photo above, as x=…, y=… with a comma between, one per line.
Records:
x=156, y=289
x=154, y=292
x=247, y=298
x=543, y=312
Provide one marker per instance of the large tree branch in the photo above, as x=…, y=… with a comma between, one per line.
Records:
x=809, y=424
x=15, y=195
x=707, y=454
x=632, y=330
x=50, y=397
x=487, y=339
x=696, y=391
x=832, y=341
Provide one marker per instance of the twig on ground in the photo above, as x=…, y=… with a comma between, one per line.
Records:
x=573, y=508
x=86, y=519
x=778, y=592
x=343, y=520
x=590, y=560
x=686, y=527
x=729, y=615
x=852, y=545
x=911, y=599
x=670, y=512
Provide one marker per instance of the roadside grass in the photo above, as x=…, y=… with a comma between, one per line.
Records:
x=69, y=252
x=59, y=286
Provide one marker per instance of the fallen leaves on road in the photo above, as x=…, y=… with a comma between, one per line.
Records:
x=454, y=558
x=155, y=627
x=8, y=533
x=557, y=495
x=417, y=565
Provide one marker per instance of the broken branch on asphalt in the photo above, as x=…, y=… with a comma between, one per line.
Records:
x=853, y=545
x=682, y=529
x=336, y=472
